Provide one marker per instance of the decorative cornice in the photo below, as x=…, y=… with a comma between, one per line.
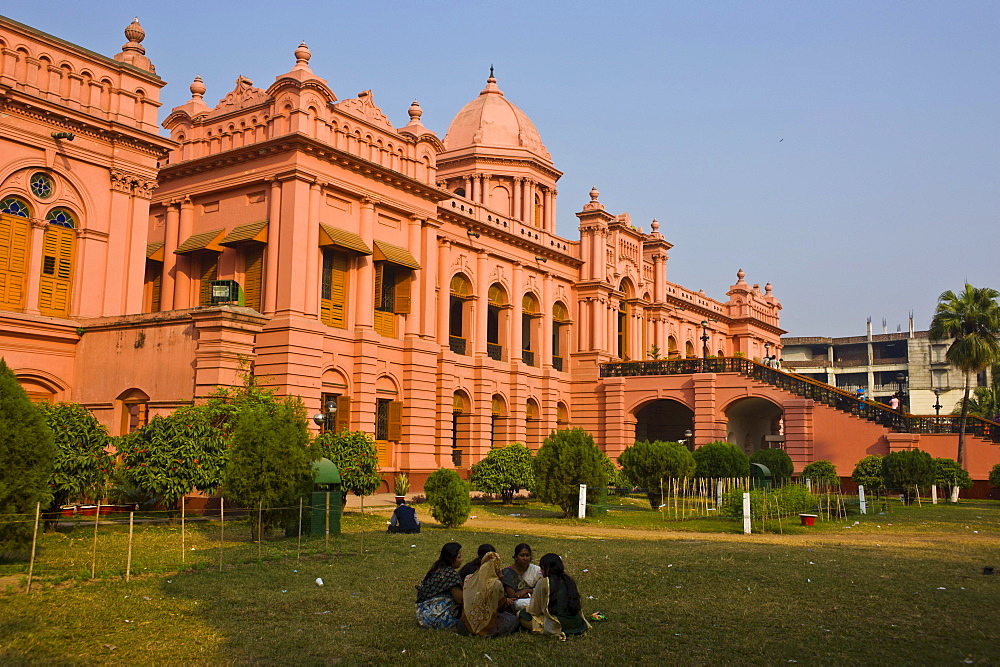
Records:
x=132, y=184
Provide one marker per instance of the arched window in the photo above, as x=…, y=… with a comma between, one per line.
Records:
x=672, y=351
x=529, y=323
x=15, y=206
x=532, y=424
x=134, y=405
x=538, y=211
x=15, y=248
x=562, y=415
x=498, y=421
x=623, y=330
x=459, y=314
x=461, y=426
x=496, y=322
x=689, y=350
x=58, y=245
x=560, y=334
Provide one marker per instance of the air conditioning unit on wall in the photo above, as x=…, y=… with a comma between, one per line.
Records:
x=226, y=291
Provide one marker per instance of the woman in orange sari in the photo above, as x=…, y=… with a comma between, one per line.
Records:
x=485, y=610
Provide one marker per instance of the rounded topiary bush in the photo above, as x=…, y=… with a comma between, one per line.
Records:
x=777, y=461
x=721, y=459
x=948, y=473
x=448, y=496
x=908, y=470
x=868, y=473
x=648, y=464
x=995, y=475
x=822, y=473
x=567, y=459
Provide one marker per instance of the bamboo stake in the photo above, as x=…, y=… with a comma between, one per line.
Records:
x=183, y=545
x=327, y=515
x=676, y=510
x=917, y=491
x=222, y=528
x=128, y=561
x=260, y=528
x=34, y=541
x=93, y=560
x=298, y=547
x=362, y=525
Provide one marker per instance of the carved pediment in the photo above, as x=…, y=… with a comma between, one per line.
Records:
x=244, y=95
x=363, y=106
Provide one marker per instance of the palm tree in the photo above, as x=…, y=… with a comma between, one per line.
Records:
x=985, y=401
x=972, y=320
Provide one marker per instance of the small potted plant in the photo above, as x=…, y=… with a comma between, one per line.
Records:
x=401, y=485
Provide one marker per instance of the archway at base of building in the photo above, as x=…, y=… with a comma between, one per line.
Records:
x=663, y=419
x=754, y=423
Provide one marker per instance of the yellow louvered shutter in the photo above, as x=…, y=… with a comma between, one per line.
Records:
x=338, y=291
x=402, y=297
x=209, y=272
x=157, y=286
x=57, y=271
x=379, y=273
x=253, y=265
x=342, y=421
x=14, y=238
x=395, y=431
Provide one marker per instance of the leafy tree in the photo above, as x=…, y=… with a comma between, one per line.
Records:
x=356, y=457
x=908, y=469
x=448, y=496
x=646, y=464
x=224, y=405
x=721, y=459
x=777, y=461
x=27, y=456
x=972, y=320
x=170, y=456
x=995, y=475
x=985, y=401
x=504, y=471
x=616, y=478
x=567, y=459
x=269, y=460
x=822, y=473
x=868, y=473
x=83, y=465
x=947, y=473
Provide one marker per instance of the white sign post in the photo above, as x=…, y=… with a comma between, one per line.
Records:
x=954, y=494
x=746, y=513
x=861, y=498
x=934, y=494
x=581, y=511
x=718, y=493
x=809, y=484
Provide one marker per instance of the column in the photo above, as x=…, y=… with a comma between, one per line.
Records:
x=545, y=346
x=582, y=326
x=430, y=256
x=313, y=267
x=516, y=297
x=487, y=190
x=586, y=254
x=444, y=295
x=708, y=424
x=549, y=200
x=516, y=208
x=468, y=186
x=474, y=194
x=798, y=422
x=416, y=287
x=271, y=254
x=482, y=304
x=169, y=258
x=597, y=258
x=659, y=277
x=182, y=273
x=293, y=253
x=364, y=290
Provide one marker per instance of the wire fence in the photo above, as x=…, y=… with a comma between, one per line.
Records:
x=106, y=541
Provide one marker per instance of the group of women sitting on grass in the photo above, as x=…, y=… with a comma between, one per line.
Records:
x=485, y=599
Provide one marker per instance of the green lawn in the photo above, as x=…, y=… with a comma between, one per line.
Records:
x=905, y=587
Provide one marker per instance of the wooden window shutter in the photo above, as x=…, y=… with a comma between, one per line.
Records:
x=253, y=263
x=209, y=272
x=14, y=239
x=402, y=305
x=395, y=421
x=379, y=273
x=157, y=287
x=57, y=271
x=338, y=290
x=342, y=421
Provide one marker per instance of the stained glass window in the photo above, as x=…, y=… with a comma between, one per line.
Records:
x=41, y=185
x=15, y=206
x=62, y=217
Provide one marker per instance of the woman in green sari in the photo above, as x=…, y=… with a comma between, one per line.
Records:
x=555, y=607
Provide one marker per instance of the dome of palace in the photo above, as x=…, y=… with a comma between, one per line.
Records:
x=491, y=120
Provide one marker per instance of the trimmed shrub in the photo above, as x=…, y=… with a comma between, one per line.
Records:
x=504, y=472
x=448, y=496
x=777, y=461
x=356, y=458
x=270, y=462
x=721, y=459
x=567, y=459
x=948, y=473
x=83, y=466
x=908, y=469
x=618, y=483
x=995, y=475
x=27, y=456
x=868, y=473
x=822, y=473
x=787, y=500
x=647, y=464
x=170, y=456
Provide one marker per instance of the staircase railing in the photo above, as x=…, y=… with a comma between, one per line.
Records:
x=820, y=392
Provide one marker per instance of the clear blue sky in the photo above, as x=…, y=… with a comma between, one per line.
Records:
x=848, y=152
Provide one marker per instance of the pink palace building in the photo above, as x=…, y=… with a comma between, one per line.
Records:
x=414, y=283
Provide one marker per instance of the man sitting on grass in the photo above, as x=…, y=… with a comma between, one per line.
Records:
x=404, y=519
